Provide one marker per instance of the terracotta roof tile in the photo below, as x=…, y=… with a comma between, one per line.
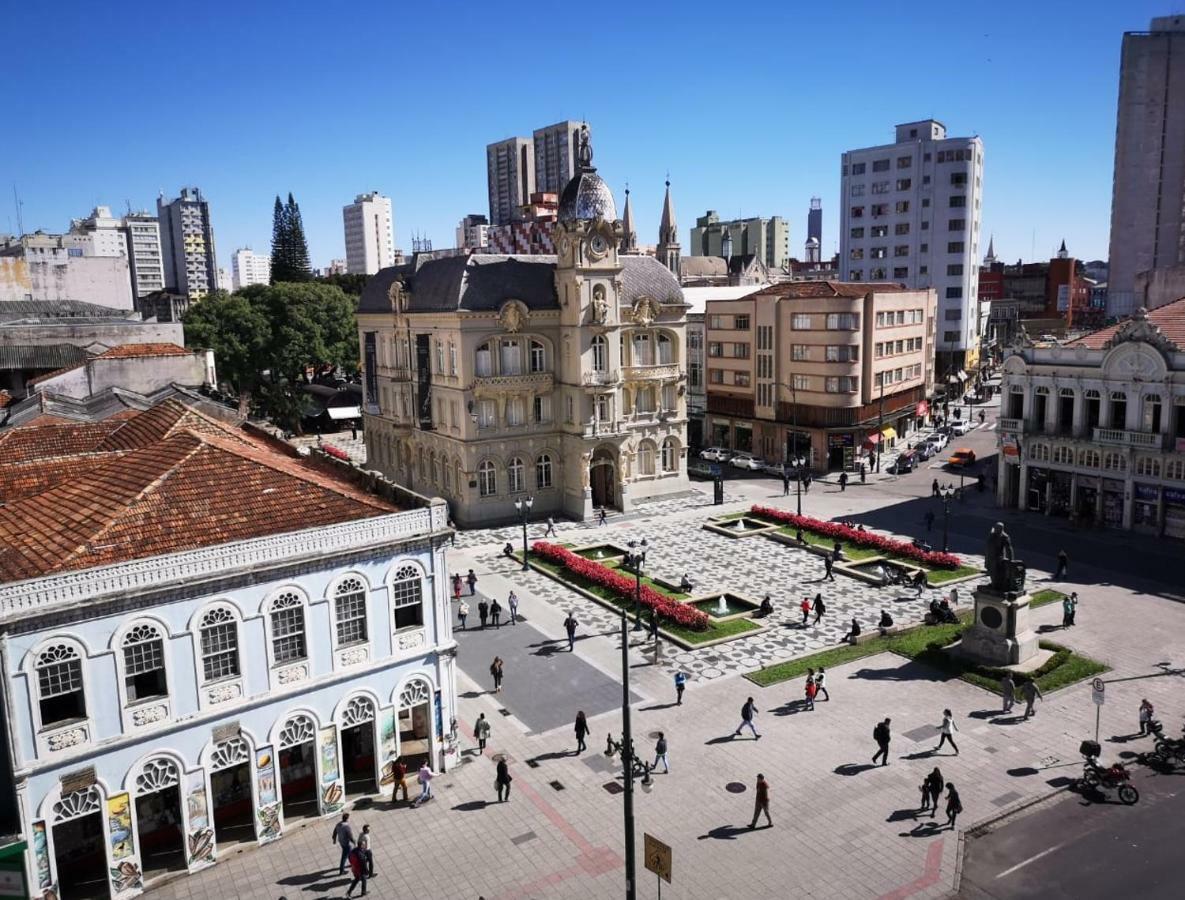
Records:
x=822, y=289
x=1170, y=319
x=128, y=350
x=41, y=440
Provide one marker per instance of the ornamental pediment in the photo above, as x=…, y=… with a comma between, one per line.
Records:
x=645, y=311
x=513, y=316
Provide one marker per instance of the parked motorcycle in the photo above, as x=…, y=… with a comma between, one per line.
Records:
x=1102, y=778
x=1166, y=749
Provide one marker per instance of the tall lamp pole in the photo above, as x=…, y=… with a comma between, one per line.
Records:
x=637, y=559
x=880, y=426
x=798, y=462
x=946, y=493
x=524, y=509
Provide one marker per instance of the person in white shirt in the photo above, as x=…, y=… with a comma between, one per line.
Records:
x=365, y=850
x=947, y=730
x=425, y=777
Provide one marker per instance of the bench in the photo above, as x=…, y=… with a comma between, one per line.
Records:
x=865, y=636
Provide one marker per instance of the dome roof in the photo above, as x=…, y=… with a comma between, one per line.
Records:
x=812, y=242
x=586, y=196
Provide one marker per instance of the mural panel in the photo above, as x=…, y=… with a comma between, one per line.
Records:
x=200, y=839
x=332, y=790
x=269, y=805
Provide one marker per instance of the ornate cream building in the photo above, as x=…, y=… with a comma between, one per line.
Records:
x=490, y=379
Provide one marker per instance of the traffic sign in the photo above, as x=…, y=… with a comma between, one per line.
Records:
x=1097, y=691
x=658, y=857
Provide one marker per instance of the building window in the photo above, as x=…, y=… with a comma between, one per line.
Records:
x=880, y=187
x=857, y=212
x=740, y=323
x=842, y=322
x=349, y=609
x=670, y=456
x=144, y=663
x=954, y=293
x=666, y=347
x=904, y=162
x=510, y=358
x=880, y=165
x=716, y=376
x=600, y=354
x=857, y=232
x=452, y=358
x=59, y=685
x=487, y=479
x=486, y=414
x=643, y=355
x=485, y=361
x=715, y=348
x=541, y=409
x=955, y=247
x=901, y=250
x=841, y=384
x=879, y=209
x=515, y=414
x=858, y=168
x=287, y=620
x=902, y=206
x=802, y=382
x=740, y=379
x=543, y=471
x=644, y=401
x=801, y=321
x=668, y=398
x=601, y=408
x=901, y=272
x=800, y=352
x=842, y=353
x=901, y=228
x=950, y=337
x=538, y=357
x=880, y=231
x=1149, y=466
x=954, y=269
x=515, y=476
x=1115, y=462
x=439, y=356
x=407, y=598
x=956, y=225
x=958, y=201
x=220, y=645
x=740, y=351
x=646, y=458
x=695, y=374
x=856, y=253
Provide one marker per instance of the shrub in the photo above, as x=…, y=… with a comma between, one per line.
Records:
x=870, y=539
x=621, y=586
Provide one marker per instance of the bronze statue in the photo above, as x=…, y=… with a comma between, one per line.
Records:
x=1001, y=567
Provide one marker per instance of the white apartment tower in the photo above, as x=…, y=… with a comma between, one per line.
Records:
x=142, y=231
x=187, y=244
x=473, y=232
x=510, y=173
x=249, y=267
x=370, y=245
x=910, y=214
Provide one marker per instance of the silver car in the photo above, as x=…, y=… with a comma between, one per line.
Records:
x=747, y=461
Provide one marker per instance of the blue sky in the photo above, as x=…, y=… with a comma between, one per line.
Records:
x=748, y=106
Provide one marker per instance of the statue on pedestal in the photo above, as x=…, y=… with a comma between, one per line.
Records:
x=1006, y=574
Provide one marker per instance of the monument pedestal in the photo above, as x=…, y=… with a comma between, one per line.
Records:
x=1001, y=634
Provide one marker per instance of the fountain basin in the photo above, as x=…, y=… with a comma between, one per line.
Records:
x=601, y=552
x=875, y=570
x=739, y=527
x=736, y=606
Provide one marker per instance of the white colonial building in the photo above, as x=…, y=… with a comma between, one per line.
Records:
x=1094, y=429
x=205, y=640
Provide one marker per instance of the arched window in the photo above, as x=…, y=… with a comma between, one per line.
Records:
x=485, y=361
x=436, y=469
x=220, y=645
x=1148, y=465
x=287, y=621
x=448, y=477
x=144, y=663
x=543, y=471
x=349, y=610
x=510, y=361
x=1089, y=459
x=59, y=685
x=515, y=475
x=600, y=354
x=487, y=479
x=670, y=456
x=1039, y=452
x=538, y=357
x=1174, y=469
x=407, y=598
x=1115, y=462
x=646, y=458
x=666, y=349
x=1063, y=455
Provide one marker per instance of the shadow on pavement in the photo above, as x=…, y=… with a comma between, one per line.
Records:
x=900, y=815
x=924, y=830
x=730, y=832
x=853, y=768
x=658, y=706
x=1023, y=772
x=472, y=806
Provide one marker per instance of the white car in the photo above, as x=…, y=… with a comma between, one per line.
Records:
x=960, y=428
x=715, y=454
x=938, y=441
x=747, y=461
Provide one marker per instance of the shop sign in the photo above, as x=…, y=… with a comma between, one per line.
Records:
x=1174, y=495
x=80, y=780
x=226, y=732
x=923, y=408
x=1110, y=484
x=1147, y=492
x=840, y=440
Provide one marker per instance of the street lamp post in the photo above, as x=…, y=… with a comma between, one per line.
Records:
x=946, y=493
x=798, y=462
x=637, y=558
x=524, y=509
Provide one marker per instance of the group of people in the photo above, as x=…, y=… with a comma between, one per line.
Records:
x=816, y=683
x=490, y=612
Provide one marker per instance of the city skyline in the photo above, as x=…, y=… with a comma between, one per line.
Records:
x=1042, y=182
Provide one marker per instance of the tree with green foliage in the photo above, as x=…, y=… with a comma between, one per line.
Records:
x=352, y=283
x=239, y=333
x=290, y=250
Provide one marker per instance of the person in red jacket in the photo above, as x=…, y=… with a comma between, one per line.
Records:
x=358, y=870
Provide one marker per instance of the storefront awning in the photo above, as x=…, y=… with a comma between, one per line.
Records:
x=889, y=432
x=344, y=412
x=872, y=439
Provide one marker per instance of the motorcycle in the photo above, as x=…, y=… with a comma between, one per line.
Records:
x=1166, y=749
x=1113, y=777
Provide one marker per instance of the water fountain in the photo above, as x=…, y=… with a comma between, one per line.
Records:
x=722, y=605
x=600, y=554
x=740, y=525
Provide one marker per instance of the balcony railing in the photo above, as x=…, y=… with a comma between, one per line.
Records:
x=663, y=372
x=1012, y=426
x=602, y=379
x=1145, y=440
x=540, y=381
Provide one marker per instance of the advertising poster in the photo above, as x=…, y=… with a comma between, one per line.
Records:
x=269, y=806
x=119, y=826
x=40, y=844
x=200, y=839
x=332, y=791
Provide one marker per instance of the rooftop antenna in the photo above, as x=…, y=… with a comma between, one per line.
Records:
x=20, y=221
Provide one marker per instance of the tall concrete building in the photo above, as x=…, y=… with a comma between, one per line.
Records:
x=473, y=232
x=1148, y=199
x=370, y=245
x=911, y=216
x=142, y=231
x=767, y=239
x=249, y=267
x=187, y=244
x=814, y=221
x=555, y=155
x=99, y=234
x=510, y=172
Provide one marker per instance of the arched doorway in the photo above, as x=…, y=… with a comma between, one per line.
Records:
x=158, y=817
x=415, y=724
x=79, y=843
x=298, y=767
x=233, y=802
x=602, y=478
x=358, y=746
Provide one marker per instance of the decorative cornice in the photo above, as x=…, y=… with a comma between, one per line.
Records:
x=22, y=597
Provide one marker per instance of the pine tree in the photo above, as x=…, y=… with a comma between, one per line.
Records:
x=298, y=246
x=280, y=254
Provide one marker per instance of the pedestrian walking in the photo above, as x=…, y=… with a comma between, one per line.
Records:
x=947, y=731
x=456, y=585
x=358, y=870
x=785, y=482
x=581, y=732
x=1032, y=694
x=660, y=753
x=654, y=625
x=882, y=736
x=761, y=802
x=1008, y=691
x=680, y=686
x=570, y=627
x=463, y=613
x=502, y=781
x=807, y=478
x=343, y=834
x=365, y=848
x=483, y=611
x=1067, y=612
x=1063, y=565
x=806, y=610
x=828, y=565
x=496, y=673
x=954, y=805
x=863, y=473
x=934, y=785
x=353, y=432
x=843, y=481
x=398, y=779
x=934, y=488
x=424, y=777
x=512, y=602
x=601, y=516
x=550, y=532
x=472, y=579
x=1073, y=608
x=929, y=520
x=496, y=613
x=748, y=712
x=481, y=731
x=811, y=688
x=1145, y=717
x=821, y=683
x=819, y=607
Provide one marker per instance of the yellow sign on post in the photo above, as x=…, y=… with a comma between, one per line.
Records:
x=658, y=857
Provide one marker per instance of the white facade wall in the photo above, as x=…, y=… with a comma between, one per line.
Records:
x=370, y=245
x=142, y=233
x=250, y=268
x=56, y=275
x=898, y=223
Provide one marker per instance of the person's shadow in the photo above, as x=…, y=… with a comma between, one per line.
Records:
x=853, y=768
x=730, y=832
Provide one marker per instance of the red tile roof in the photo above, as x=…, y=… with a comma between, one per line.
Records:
x=164, y=481
x=128, y=350
x=1170, y=319
x=847, y=289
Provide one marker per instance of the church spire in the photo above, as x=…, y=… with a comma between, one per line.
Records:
x=1062, y=252
x=629, y=241
x=668, y=235
x=991, y=254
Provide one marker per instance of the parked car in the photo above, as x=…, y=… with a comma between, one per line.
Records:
x=716, y=454
x=925, y=450
x=961, y=458
x=960, y=428
x=747, y=461
x=938, y=440
x=904, y=463
x=775, y=469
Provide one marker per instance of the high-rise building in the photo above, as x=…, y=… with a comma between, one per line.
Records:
x=250, y=267
x=473, y=232
x=814, y=220
x=510, y=170
x=1147, y=209
x=767, y=239
x=99, y=234
x=187, y=244
x=555, y=155
x=370, y=245
x=142, y=231
x=911, y=215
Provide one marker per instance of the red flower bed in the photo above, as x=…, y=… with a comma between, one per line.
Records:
x=622, y=585
x=936, y=559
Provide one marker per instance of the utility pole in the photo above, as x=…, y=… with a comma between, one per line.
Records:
x=880, y=427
